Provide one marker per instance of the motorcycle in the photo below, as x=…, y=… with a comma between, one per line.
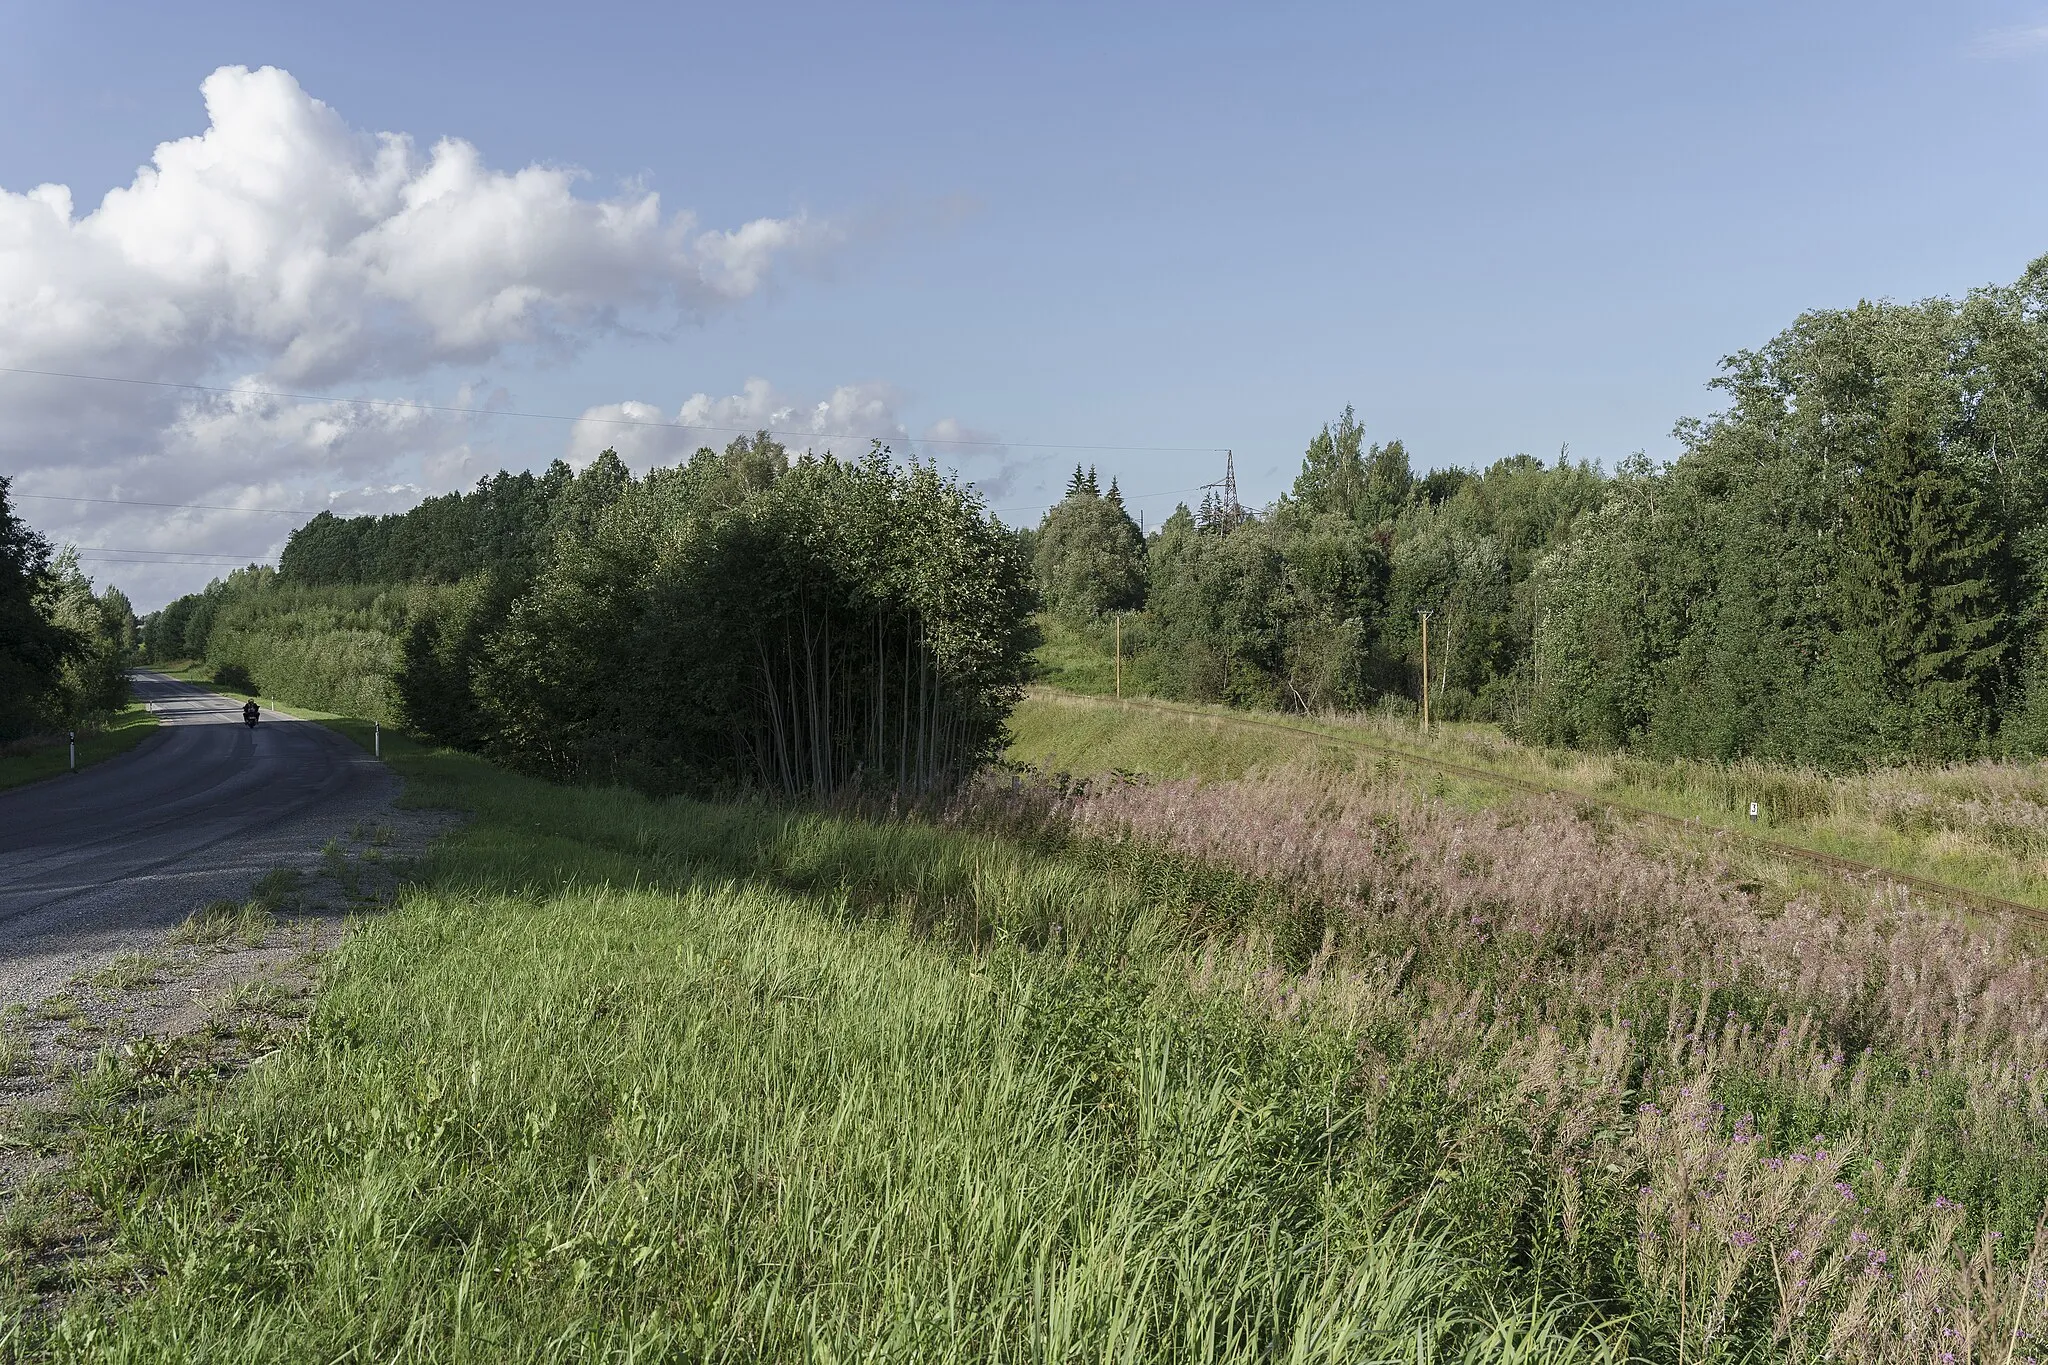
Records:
x=249, y=715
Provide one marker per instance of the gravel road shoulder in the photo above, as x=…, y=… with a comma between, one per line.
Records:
x=197, y=1005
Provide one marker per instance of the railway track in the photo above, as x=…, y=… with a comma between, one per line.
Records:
x=1955, y=895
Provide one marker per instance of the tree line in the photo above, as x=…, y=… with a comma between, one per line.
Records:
x=63, y=646
x=1848, y=564
x=1315, y=602
x=1850, y=561
x=739, y=620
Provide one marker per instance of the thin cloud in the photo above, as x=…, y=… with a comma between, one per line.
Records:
x=2017, y=40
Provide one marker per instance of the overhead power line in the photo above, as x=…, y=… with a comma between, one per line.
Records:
x=120, y=550
x=105, y=562
x=183, y=506
x=408, y=404
x=1127, y=497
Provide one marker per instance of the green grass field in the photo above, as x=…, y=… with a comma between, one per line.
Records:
x=128, y=728
x=1077, y=660
x=633, y=1080
x=1309, y=1057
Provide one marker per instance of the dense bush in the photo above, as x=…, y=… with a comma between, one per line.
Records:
x=64, y=648
x=234, y=677
x=439, y=654
x=1847, y=564
x=735, y=621
x=796, y=631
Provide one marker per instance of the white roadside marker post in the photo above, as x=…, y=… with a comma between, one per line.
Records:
x=74, y=751
x=377, y=739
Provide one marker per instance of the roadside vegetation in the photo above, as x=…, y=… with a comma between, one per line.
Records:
x=31, y=760
x=63, y=647
x=1980, y=826
x=1313, y=1063
x=804, y=988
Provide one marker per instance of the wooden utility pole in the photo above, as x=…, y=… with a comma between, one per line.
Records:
x=1425, y=671
x=1119, y=656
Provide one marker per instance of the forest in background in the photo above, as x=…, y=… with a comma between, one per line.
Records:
x=1314, y=602
x=740, y=620
x=1848, y=564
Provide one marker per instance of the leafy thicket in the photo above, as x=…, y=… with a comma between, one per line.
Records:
x=63, y=647
x=31, y=644
x=792, y=630
x=1850, y=562
x=1315, y=602
x=737, y=621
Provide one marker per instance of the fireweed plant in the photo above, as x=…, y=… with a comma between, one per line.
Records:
x=1311, y=1065
x=1807, y=1127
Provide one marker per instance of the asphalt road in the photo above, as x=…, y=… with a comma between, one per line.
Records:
x=101, y=862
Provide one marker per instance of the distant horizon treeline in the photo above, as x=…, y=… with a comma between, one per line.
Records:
x=740, y=620
x=1848, y=564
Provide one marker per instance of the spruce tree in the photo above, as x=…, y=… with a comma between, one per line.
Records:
x=1920, y=592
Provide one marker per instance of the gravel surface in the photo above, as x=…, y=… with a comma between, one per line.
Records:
x=165, y=918
x=104, y=862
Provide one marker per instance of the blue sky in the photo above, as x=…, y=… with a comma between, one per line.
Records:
x=1492, y=228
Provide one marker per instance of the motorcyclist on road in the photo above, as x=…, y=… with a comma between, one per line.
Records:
x=249, y=711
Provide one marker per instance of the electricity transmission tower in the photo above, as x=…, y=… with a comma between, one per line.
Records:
x=1223, y=512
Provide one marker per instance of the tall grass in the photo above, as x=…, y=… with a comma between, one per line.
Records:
x=630, y=1080
x=1306, y=1066
x=1982, y=826
x=1816, y=1124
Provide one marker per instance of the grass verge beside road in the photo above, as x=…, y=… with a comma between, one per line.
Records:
x=1313, y=1066
x=35, y=760
x=624, y=1078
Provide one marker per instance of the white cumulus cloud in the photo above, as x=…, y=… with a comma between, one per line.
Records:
x=843, y=422
x=282, y=250
x=282, y=234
